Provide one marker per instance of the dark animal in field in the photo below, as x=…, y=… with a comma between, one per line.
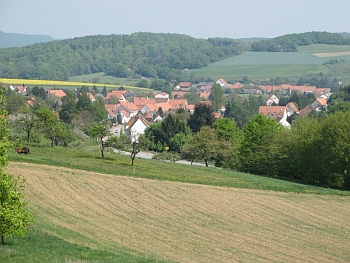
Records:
x=24, y=150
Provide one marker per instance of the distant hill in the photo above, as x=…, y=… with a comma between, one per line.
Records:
x=18, y=40
x=140, y=54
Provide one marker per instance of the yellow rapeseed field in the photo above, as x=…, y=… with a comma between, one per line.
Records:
x=32, y=82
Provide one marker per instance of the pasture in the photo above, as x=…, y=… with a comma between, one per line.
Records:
x=180, y=213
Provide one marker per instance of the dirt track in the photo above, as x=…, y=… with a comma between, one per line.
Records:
x=187, y=222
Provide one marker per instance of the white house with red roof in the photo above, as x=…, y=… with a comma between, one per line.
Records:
x=222, y=83
x=278, y=113
x=319, y=104
x=272, y=100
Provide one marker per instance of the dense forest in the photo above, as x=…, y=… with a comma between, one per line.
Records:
x=139, y=54
x=290, y=42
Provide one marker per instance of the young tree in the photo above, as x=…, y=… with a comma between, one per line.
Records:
x=48, y=122
x=100, y=132
x=14, y=218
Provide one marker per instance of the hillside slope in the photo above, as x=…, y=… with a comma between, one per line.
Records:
x=186, y=222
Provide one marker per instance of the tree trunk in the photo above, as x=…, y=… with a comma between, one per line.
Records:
x=2, y=240
x=206, y=162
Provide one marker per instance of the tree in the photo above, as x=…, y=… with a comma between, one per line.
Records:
x=99, y=132
x=15, y=102
x=14, y=218
x=204, y=145
x=217, y=97
x=69, y=107
x=27, y=122
x=257, y=135
x=48, y=122
x=203, y=115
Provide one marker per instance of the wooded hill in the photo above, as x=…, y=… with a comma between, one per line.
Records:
x=290, y=42
x=151, y=55
x=135, y=55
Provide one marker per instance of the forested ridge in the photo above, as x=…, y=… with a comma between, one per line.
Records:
x=135, y=55
x=290, y=42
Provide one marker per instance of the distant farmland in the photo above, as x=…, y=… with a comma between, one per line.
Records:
x=293, y=65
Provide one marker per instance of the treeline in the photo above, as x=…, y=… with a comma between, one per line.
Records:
x=290, y=42
x=139, y=54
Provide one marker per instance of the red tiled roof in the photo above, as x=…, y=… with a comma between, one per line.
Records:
x=57, y=92
x=141, y=101
x=272, y=110
x=185, y=84
x=305, y=111
x=322, y=101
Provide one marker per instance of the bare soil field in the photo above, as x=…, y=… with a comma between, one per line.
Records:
x=186, y=222
x=332, y=54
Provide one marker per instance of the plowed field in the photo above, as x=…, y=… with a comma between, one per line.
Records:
x=187, y=222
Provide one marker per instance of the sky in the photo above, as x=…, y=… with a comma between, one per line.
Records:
x=197, y=18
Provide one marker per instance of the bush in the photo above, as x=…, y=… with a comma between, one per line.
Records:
x=167, y=156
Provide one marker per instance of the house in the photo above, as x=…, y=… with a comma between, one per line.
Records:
x=269, y=89
x=116, y=95
x=305, y=111
x=291, y=109
x=111, y=108
x=142, y=101
x=251, y=91
x=203, y=84
x=130, y=107
x=91, y=97
x=57, y=92
x=204, y=95
x=190, y=108
x=278, y=113
x=319, y=104
x=162, y=97
x=205, y=89
x=222, y=83
x=149, y=108
x=177, y=104
x=135, y=127
x=185, y=86
x=272, y=100
x=178, y=94
x=237, y=85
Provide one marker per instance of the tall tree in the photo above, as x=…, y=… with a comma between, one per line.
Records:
x=217, y=97
x=203, y=115
x=47, y=122
x=69, y=107
x=14, y=218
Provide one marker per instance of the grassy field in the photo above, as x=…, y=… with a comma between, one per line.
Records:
x=322, y=48
x=166, y=211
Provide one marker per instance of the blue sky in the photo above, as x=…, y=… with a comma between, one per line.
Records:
x=196, y=18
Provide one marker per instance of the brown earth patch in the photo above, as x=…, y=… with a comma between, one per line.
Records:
x=332, y=54
x=187, y=222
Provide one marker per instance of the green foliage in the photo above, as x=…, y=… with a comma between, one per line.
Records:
x=203, y=115
x=288, y=43
x=15, y=102
x=99, y=131
x=145, y=54
x=204, y=145
x=258, y=133
x=217, y=97
x=14, y=218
